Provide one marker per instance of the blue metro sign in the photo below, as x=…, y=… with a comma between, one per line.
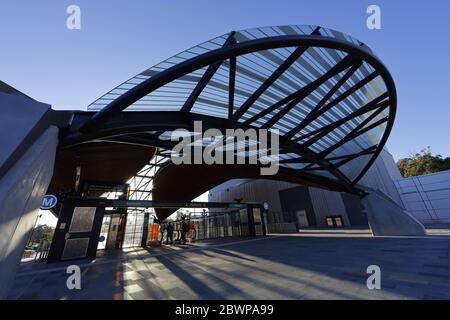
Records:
x=48, y=202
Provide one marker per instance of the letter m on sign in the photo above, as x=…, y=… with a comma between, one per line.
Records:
x=48, y=202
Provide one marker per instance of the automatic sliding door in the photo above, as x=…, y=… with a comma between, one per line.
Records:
x=133, y=230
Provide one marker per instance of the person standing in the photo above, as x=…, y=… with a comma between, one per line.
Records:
x=169, y=235
x=161, y=231
x=184, y=230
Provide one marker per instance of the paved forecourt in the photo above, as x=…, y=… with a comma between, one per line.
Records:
x=314, y=264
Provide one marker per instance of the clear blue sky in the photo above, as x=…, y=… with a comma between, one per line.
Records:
x=118, y=39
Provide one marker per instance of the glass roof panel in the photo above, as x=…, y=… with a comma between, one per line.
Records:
x=322, y=173
x=253, y=70
x=352, y=168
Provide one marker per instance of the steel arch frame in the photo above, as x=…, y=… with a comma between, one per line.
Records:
x=112, y=122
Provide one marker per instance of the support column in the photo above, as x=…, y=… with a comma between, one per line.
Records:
x=28, y=142
x=21, y=192
x=387, y=218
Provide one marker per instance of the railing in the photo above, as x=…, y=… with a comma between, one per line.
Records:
x=233, y=224
x=35, y=255
x=220, y=226
x=281, y=222
x=287, y=227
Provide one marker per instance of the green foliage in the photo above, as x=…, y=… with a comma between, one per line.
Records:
x=42, y=233
x=422, y=163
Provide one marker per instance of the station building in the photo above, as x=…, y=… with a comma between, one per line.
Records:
x=328, y=97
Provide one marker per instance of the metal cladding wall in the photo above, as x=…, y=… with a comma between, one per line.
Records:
x=427, y=197
x=251, y=191
x=380, y=176
x=21, y=192
x=327, y=203
x=28, y=142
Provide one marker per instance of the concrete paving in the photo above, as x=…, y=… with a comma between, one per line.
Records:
x=315, y=264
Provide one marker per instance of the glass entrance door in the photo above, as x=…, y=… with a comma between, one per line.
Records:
x=77, y=231
x=133, y=229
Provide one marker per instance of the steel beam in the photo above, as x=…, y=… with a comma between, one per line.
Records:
x=198, y=62
x=352, y=135
x=322, y=132
x=231, y=86
x=318, y=110
x=309, y=88
x=327, y=97
x=207, y=76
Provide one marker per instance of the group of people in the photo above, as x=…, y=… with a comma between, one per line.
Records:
x=169, y=231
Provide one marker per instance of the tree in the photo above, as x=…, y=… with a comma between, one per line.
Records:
x=422, y=163
x=42, y=233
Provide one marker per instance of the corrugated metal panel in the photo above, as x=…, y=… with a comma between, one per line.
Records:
x=327, y=203
x=379, y=178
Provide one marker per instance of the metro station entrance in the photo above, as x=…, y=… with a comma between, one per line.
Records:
x=88, y=224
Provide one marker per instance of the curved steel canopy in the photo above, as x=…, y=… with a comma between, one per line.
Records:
x=329, y=96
